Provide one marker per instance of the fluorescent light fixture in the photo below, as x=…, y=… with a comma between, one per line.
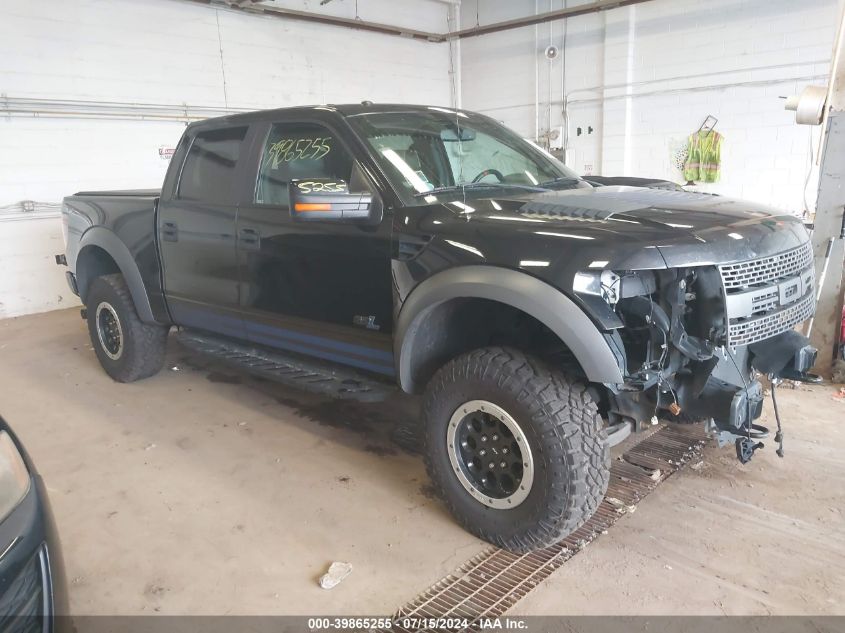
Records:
x=496, y=205
x=599, y=263
x=410, y=175
x=736, y=236
x=463, y=207
x=531, y=262
x=465, y=247
x=574, y=237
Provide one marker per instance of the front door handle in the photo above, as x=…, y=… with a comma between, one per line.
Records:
x=249, y=238
x=170, y=232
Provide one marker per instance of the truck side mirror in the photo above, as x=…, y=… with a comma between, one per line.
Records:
x=325, y=199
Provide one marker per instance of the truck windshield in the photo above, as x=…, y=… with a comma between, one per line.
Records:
x=440, y=151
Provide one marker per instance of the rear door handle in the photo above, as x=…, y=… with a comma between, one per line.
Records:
x=170, y=232
x=249, y=238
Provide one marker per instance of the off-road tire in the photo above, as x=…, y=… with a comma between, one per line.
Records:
x=143, y=344
x=562, y=427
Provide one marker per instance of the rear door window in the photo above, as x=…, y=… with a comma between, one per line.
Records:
x=208, y=174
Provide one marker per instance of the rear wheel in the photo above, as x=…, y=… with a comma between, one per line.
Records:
x=516, y=450
x=127, y=348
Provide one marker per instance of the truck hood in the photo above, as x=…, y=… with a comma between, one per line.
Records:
x=632, y=228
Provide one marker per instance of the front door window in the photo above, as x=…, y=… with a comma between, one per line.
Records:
x=299, y=151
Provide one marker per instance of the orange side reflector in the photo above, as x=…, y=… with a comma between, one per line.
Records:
x=302, y=206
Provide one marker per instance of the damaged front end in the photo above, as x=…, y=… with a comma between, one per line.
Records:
x=693, y=341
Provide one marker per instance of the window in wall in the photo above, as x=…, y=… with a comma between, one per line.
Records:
x=295, y=151
x=208, y=174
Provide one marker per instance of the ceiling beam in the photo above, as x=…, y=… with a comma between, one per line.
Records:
x=549, y=16
x=255, y=6
x=252, y=6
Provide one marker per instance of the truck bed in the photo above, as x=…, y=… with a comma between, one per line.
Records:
x=121, y=223
x=127, y=193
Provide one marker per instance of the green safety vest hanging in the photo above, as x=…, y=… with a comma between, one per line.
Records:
x=704, y=160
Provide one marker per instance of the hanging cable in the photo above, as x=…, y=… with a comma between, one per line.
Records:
x=779, y=435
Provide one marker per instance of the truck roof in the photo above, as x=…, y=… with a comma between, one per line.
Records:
x=344, y=109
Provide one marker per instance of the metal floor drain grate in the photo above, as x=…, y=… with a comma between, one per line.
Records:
x=489, y=584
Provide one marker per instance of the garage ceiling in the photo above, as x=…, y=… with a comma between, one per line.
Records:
x=530, y=20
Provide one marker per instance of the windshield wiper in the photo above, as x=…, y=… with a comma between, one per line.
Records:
x=473, y=185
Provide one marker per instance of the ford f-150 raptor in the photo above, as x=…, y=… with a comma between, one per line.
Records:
x=538, y=315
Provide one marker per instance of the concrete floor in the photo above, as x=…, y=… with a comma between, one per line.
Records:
x=205, y=491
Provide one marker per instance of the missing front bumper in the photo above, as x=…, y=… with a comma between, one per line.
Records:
x=788, y=356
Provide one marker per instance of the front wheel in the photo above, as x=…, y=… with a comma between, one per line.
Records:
x=516, y=450
x=127, y=348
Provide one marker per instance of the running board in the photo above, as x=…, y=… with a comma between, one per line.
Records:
x=294, y=371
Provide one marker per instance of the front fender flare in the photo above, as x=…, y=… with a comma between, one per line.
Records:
x=519, y=290
x=112, y=244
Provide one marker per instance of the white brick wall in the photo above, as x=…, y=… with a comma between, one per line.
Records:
x=30, y=281
x=168, y=51
x=646, y=76
x=642, y=78
x=171, y=52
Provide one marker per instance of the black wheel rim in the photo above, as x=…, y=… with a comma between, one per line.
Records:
x=490, y=454
x=109, y=331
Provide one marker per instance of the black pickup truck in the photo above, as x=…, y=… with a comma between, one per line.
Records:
x=542, y=318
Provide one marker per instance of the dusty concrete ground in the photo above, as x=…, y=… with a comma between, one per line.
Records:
x=205, y=491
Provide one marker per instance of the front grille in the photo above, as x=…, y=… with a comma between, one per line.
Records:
x=22, y=604
x=767, y=296
x=765, y=302
x=746, y=332
x=759, y=272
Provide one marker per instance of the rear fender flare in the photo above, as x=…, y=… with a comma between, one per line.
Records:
x=519, y=290
x=117, y=250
